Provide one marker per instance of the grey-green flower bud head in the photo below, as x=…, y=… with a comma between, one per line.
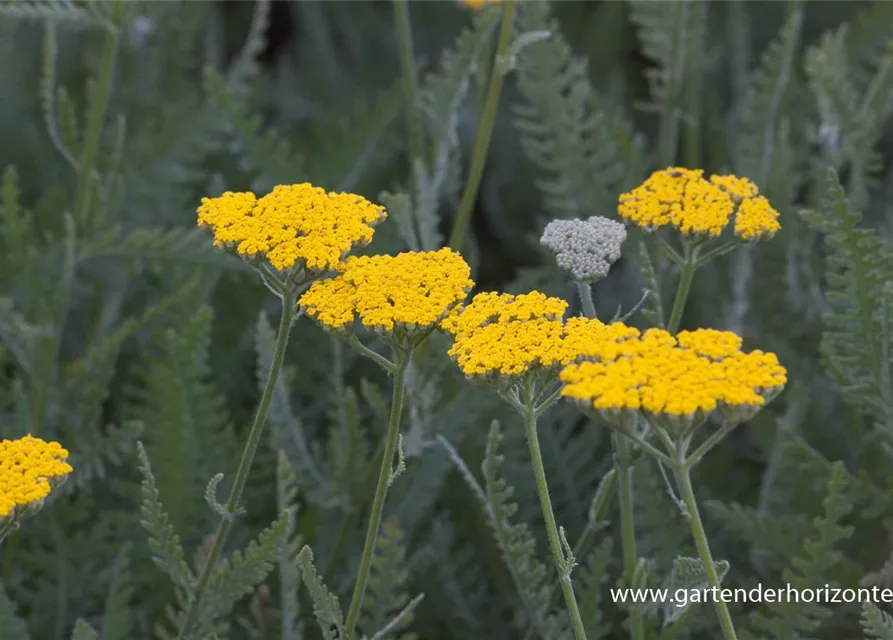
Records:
x=585, y=249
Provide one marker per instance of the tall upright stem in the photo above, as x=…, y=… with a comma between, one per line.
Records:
x=585, y=291
x=381, y=491
x=697, y=529
x=688, y=273
x=564, y=571
x=485, y=130
x=289, y=309
x=408, y=77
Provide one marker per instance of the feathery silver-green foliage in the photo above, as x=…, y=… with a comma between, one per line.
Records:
x=142, y=348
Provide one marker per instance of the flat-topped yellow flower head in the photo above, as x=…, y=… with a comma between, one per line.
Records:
x=502, y=336
x=675, y=382
x=395, y=296
x=29, y=468
x=686, y=200
x=293, y=227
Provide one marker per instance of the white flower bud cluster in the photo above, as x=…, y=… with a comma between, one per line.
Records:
x=585, y=249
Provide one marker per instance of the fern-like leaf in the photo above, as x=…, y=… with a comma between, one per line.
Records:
x=515, y=540
x=764, y=103
x=878, y=624
x=67, y=11
x=167, y=553
x=326, y=607
x=810, y=570
x=12, y=627
x=232, y=580
x=386, y=592
x=857, y=339
x=593, y=575
x=583, y=144
x=117, y=620
x=187, y=424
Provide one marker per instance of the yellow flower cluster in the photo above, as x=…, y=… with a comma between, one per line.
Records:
x=408, y=291
x=693, y=374
x=684, y=199
x=295, y=225
x=26, y=467
x=499, y=334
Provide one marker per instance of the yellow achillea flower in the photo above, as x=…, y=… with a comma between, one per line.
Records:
x=676, y=382
x=28, y=466
x=684, y=199
x=501, y=335
x=406, y=292
x=293, y=227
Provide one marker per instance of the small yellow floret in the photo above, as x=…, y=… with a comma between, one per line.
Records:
x=27, y=466
x=684, y=199
x=681, y=198
x=295, y=225
x=411, y=290
x=672, y=377
x=499, y=334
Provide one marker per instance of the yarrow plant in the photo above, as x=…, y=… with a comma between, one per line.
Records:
x=30, y=468
x=516, y=344
x=401, y=299
x=699, y=210
x=121, y=332
x=292, y=236
x=674, y=384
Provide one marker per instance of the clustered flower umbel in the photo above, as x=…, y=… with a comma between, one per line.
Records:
x=29, y=468
x=406, y=293
x=585, y=249
x=675, y=381
x=499, y=335
x=684, y=199
x=294, y=227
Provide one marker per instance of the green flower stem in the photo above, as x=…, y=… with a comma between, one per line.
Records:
x=289, y=310
x=585, y=291
x=564, y=571
x=381, y=490
x=688, y=273
x=485, y=130
x=408, y=77
x=697, y=529
x=627, y=522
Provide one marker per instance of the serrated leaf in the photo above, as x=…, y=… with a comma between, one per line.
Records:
x=688, y=574
x=326, y=607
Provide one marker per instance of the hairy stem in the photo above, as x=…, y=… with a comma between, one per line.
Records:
x=485, y=130
x=585, y=291
x=697, y=529
x=564, y=571
x=381, y=491
x=688, y=273
x=289, y=309
x=408, y=77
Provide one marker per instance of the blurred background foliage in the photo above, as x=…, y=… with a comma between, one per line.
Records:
x=119, y=322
